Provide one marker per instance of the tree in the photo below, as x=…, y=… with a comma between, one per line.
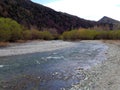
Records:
x=11, y=29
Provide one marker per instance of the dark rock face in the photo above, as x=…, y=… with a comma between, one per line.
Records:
x=37, y=16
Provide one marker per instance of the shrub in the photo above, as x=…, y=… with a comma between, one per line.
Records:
x=15, y=35
x=70, y=35
x=5, y=35
x=53, y=31
x=102, y=35
x=47, y=35
x=26, y=35
x=36, y=34
x=86, y=34
x=79, y=34
x=11, y=29
x=114, y=34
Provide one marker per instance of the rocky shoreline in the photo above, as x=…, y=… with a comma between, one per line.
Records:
x=105, y=76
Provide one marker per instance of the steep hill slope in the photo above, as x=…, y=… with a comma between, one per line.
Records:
x=37, y=16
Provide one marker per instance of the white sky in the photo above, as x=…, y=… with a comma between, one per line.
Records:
x=88, y=9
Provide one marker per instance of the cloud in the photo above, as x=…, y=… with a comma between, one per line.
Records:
x=118, y=5
x=88, y=9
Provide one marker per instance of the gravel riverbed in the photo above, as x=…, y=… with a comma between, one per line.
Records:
x=105, y=76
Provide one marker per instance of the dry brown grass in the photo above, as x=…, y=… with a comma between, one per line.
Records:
x=3, y=44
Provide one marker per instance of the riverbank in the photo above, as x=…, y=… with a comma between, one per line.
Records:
x=105, y=76
x=33, y=47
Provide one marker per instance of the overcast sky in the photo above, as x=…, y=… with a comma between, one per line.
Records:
x=87, y=9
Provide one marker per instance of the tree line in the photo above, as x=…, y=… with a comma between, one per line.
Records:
x=11, y=31
x=90, y=34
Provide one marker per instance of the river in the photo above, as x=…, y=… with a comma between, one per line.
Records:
x=50, y=70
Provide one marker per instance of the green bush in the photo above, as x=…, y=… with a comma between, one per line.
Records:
x=26, y=35
x=70, y=35
x=85, y=34
x=114, y=34
x=52, y=31
x=47, y=35
x=36, y=34
x=5, y=35
x=16, y=35
x=79, y=34
x=102, y=35
x=10, y=30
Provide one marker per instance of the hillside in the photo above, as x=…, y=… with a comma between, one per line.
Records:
x=113, y=24
x=33, y=15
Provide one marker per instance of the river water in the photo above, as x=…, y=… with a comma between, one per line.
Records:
x=50, y=70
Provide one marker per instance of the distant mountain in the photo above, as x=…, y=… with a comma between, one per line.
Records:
x=33, y=15
x=113, y=24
